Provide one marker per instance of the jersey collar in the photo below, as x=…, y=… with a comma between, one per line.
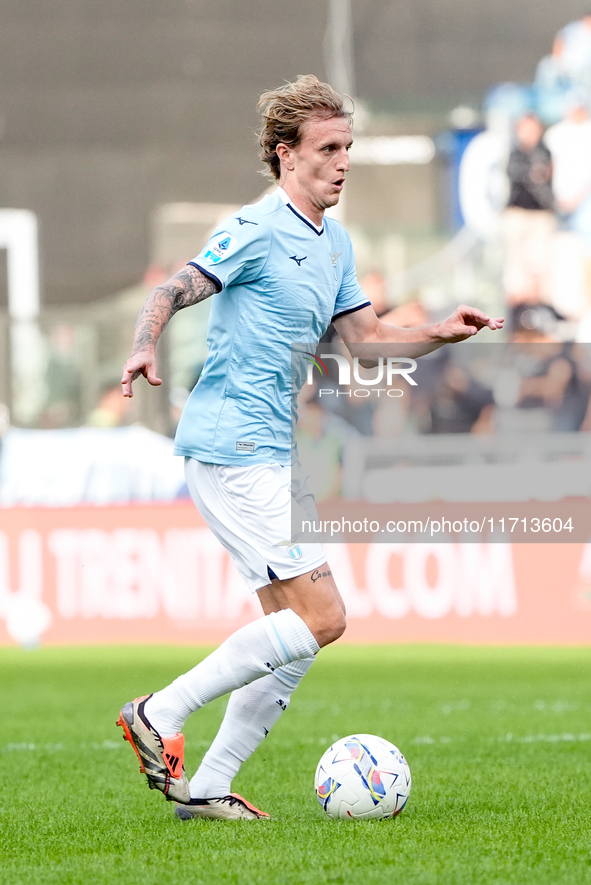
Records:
x=300, y=215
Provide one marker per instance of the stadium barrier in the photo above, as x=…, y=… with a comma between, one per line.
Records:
x=154, y=573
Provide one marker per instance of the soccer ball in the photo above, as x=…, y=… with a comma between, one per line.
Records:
x=362, y=777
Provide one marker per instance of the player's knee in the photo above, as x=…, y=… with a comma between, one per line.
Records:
x=339, y=626
x=331, y=627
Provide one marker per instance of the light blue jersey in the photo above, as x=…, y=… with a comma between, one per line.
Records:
x=282, y=280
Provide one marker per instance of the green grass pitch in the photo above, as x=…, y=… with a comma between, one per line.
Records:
x=498, y=741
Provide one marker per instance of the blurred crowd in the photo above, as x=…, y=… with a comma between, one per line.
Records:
x=525, y=388
x=547, y=223
x=540, y=378
x=546, y=226
x=545, y=282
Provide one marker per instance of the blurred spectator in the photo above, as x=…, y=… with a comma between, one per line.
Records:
x=112, y=408
x=554, y=385
x=569, y=65
x=542, y=382
x=570, y=145
x=460, y=403
x=528, y=222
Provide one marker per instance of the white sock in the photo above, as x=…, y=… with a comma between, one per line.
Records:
x=253, y=651
x=251, y=713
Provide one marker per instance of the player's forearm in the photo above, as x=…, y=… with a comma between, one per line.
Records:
x=396, y=341
x=189, y=286
x=420, y=340
x=464, y=322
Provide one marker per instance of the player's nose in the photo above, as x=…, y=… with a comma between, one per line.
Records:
x=344, y=160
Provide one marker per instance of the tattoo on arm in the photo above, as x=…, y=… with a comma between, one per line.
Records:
x=189, y=286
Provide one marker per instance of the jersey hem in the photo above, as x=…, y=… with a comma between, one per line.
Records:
x=232, y=460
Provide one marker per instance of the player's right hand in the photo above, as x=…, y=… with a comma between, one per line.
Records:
x=141, y=363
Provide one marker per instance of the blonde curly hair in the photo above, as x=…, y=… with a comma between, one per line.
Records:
x=285, y=110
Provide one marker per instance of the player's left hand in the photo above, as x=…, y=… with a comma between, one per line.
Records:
x=465, y=322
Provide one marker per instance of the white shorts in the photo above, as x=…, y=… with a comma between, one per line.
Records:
x=249, y=510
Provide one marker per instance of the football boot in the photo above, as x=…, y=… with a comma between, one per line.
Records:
x=230, y=807
x=161, y=758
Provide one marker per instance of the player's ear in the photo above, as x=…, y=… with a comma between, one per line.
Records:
x=285, y=155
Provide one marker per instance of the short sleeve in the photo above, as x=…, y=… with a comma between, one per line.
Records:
x=350, y=296
x=236, y=253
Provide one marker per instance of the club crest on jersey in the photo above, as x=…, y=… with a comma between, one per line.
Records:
x=221, y=247
x=295, y=552
x=333, y=260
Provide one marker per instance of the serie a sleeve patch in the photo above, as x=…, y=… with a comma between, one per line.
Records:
x=220, y=247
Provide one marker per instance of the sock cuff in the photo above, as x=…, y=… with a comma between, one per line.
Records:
x=290, y=636
x=291, y=674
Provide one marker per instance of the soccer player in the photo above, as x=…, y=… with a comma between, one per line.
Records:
x=279, y=272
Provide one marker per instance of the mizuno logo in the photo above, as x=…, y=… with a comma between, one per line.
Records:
x=242, y=221
x=297, y=260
